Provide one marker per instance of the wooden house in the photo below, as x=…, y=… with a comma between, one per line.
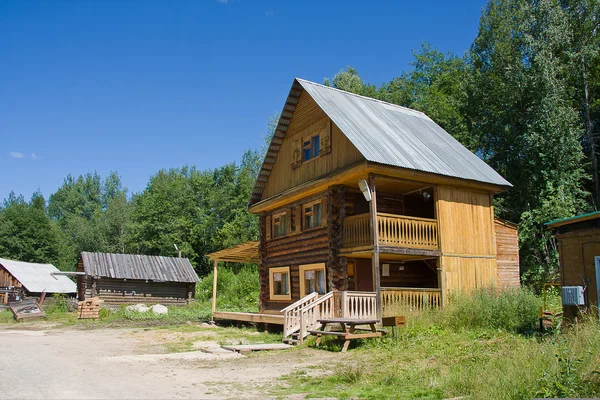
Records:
x=34, y=278
x=375, y=201
x=579, y=257
x=134, y=278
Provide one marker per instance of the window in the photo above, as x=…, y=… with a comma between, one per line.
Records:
x=312, y=279
x=310, y=148
x=312, y=214
x=279, y=281
x=279, y=224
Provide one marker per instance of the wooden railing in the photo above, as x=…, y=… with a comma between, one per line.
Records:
x=357, y=230
x=394, y=300
x=302, y=316
x=394, y=230
x=359, y=305
x=291, y=314
x=323, y=308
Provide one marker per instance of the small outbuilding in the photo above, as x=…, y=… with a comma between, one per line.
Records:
x=34, y=278
x=134, y=278
x=579, y=259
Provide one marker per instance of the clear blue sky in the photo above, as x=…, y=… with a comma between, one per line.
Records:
x=136, y=86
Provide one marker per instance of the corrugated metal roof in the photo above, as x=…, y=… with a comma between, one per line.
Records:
x=389, y=134
x=37, y=278
x=136, y=266
x=384, y=133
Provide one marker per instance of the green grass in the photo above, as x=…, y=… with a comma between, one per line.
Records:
x=487, y=351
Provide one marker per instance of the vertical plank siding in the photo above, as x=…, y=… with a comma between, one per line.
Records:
x=467, y=242
x=306, y=120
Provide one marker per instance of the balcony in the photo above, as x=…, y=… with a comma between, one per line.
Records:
x=394, y=231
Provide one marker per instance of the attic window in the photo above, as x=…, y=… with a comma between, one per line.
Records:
x=310, y=148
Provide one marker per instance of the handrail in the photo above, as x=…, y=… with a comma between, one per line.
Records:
x=413, y=289
x=291, y=314
x=302, y=300
x=312, y=312
x=406, y=217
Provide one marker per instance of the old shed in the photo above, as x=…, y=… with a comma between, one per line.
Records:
x=134, y=278
x=579, y=256
x=34, y=278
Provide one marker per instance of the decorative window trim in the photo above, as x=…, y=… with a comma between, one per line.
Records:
x=310, y=267
x=304, y=214
x=279, y=297
x=312, y=144
x=283, y=218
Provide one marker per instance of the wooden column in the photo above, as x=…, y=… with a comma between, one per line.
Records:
x=375, y=235
x=214, y=297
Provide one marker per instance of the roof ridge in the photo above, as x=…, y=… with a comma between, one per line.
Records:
x=363, y=97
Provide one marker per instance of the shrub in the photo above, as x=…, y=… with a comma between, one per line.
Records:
x=235, y=291
x=513, y=310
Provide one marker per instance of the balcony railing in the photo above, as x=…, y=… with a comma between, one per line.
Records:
x=394, y=230
x=396, y=300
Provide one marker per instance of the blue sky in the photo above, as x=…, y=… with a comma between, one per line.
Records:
x=136, y=86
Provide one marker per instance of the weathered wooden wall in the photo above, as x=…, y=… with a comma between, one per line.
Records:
x=577, y=249
x=467, y=242
x=6, y=279
x=118, y=291
x=307, y=119
x=507, y=254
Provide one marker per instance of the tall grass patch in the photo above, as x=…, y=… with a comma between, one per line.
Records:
x=513, y=310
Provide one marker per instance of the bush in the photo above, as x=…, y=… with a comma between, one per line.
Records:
x=513, y=310
x=235, y=291
x=58, y=303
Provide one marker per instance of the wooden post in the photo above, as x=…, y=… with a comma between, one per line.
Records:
x=214, y=297
x=375, y=235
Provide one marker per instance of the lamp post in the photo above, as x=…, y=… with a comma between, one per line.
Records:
x=368, y=190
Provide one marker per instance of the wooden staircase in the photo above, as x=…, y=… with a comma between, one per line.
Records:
x=302, y=316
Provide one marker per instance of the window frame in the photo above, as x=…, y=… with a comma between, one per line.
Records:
x=280, y=297
x=284, y=222
x=311, y=267
x=312, y=213
x=313, y=146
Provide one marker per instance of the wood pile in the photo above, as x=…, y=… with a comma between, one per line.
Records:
x=89, y=308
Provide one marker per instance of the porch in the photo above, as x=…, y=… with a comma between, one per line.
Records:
x=394, y=232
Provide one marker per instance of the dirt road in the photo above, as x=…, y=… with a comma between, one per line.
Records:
x=134, y=363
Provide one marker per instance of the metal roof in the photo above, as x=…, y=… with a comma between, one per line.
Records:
x=384, y=133
x=572, y=220
x=136, y=266
x=38, y=278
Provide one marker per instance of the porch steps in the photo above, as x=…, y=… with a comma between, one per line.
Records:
x=294, y=339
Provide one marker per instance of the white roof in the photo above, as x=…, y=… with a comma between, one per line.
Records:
x=37, y=278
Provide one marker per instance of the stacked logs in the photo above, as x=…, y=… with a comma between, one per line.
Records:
x=337, y=270
x=263, y=269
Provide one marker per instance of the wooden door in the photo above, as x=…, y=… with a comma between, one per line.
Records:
x=364, y=275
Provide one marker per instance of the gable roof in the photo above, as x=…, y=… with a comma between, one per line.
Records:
x=136, y=266
x=38, y=278
x=383, y=133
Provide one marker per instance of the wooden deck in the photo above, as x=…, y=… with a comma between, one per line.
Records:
x=249, y=317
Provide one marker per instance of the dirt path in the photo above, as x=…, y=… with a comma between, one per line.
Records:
x=133, y=363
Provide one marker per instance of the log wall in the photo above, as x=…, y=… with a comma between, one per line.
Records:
x=507, y=254
x=119, y=291
x=6, y=279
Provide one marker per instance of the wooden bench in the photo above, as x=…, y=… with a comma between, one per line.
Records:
x=349, y=327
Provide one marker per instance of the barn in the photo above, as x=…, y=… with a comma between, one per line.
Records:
x=579, y=261
x=133, y=278
x=34, y=278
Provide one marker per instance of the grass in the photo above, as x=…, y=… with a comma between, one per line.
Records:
x=489, y=351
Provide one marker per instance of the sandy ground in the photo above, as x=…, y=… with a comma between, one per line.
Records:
x=51, y=363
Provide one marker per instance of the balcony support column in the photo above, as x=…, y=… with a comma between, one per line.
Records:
x=375, y=236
